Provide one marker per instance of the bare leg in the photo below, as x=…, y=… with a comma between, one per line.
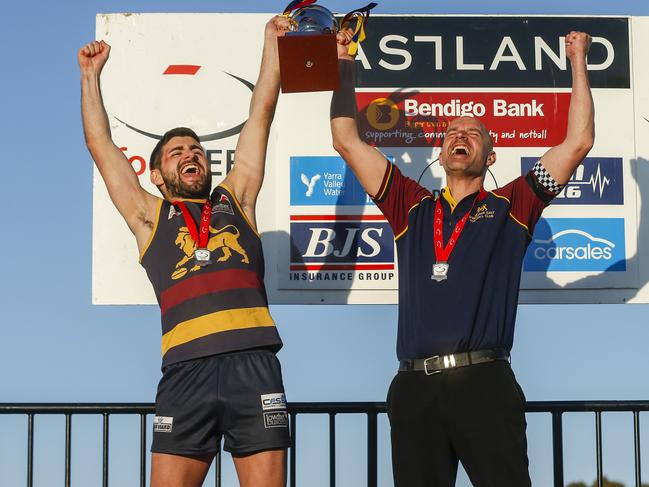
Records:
x=263, y=469
x=179, y=471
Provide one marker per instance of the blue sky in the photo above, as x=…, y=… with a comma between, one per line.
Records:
x=57, y=347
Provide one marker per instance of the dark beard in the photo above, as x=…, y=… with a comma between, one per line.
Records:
x=178, y=189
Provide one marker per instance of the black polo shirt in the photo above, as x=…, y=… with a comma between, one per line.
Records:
x=475, y=307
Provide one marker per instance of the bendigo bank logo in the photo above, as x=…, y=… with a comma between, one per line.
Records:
x=190, y=71
x=223, y=240
x=341, y=242
x=577, y=244
x=382, y=113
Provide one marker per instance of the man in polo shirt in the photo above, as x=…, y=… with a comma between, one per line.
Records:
x=460, y=257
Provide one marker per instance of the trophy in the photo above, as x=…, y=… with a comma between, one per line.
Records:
x=308, y=58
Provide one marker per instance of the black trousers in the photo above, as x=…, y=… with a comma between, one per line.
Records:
x=473, y=414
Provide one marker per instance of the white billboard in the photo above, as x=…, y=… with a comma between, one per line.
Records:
x=324, y=240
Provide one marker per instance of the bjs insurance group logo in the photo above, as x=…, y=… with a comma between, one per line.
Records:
x=325, y=181
x=577, y=244
x=596, y=181
x=341, y=242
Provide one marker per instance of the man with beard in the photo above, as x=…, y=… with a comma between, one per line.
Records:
x=203, y=256
x=460, y=255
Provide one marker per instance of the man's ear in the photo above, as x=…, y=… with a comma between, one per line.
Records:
x=156, y=177
x=491, y=158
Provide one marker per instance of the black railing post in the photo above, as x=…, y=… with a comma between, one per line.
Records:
x=30, y=450
x=636, y=448
x=293, y=454
x=557, y=448
x=68, y=448
x=598, y=447
x=104, y=463
x=217, y=467
x=372, y=449
x=332, y=449
x=142, y=450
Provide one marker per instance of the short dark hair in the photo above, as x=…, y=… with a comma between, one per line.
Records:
x=156, y=154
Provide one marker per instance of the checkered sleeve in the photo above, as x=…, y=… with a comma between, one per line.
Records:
x=544, y=178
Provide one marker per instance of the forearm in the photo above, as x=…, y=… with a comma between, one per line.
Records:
x=96, y=128
x=266, y=92
x=343, y=110
x=581, y=126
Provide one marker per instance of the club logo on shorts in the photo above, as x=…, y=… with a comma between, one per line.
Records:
x=163, y=424
x=273, y=401
x=276, y=420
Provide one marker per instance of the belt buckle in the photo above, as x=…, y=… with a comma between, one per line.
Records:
x=447, y=360
x=426, y=365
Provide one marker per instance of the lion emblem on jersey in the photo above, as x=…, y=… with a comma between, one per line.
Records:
x=224, y=239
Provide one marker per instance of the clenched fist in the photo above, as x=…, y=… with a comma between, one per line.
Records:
x=577, y=46
x=343, y=39
x=93, y=56
x=277, y=27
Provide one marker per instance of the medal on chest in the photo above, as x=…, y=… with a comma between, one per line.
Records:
x=201, y=234
x=441, y=266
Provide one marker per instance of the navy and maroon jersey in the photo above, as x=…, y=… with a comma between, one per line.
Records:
x=475, y=307
x=218, y=308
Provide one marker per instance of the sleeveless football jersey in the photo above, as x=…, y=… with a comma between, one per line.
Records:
x=218, y=308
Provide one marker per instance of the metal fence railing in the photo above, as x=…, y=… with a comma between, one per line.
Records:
x=370, y=409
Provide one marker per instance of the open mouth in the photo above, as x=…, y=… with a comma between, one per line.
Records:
x=190, y=168
x=460, y=150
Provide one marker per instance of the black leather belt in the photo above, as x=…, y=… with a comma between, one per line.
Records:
x=437, y=363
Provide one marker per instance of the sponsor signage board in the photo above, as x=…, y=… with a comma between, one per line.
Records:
x=577, y=244
x=596, y=181
x=324, y=240
x=325, y=180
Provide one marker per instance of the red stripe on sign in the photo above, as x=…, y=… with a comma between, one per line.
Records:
x=337, y=217
x=189, y=69
x=342, y=267
x=207, y=283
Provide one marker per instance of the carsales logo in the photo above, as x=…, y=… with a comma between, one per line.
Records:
x=577, y=244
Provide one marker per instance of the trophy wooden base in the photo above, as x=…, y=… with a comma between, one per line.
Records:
x=308, y=62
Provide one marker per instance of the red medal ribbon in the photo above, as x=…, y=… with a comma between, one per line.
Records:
x=200, y=238
x=442, y=253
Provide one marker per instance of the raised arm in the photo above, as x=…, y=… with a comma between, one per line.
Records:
x=367, y=163
x=562, y=160
x=247, y=175
x=135, y=204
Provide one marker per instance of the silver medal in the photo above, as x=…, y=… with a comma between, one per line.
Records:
x=440, y=271
x=202, y=257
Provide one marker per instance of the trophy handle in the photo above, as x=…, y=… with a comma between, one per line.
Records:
x=361, y=15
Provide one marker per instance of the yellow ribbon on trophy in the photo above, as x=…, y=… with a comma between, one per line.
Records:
x=361, y=15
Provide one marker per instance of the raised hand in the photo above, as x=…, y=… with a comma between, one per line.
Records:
x=93, y=56
x=577, y=46
x=277, y=27
x=343, y=38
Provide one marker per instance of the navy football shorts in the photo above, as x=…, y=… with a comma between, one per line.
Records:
x=238, y=396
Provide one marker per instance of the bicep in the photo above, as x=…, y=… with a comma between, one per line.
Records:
x=247, y=174
x=368, y=164
x=136, y=205
x=562, y=160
